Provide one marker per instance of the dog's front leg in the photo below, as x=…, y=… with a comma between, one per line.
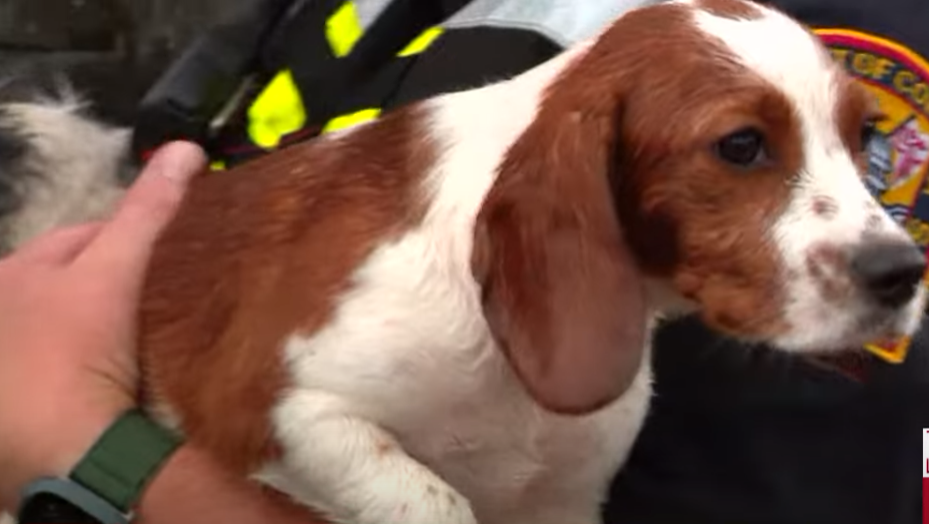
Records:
x=354, y=471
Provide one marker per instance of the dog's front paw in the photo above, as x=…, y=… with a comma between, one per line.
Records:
x=406, y=494
x=426, y=502
x=355, y=472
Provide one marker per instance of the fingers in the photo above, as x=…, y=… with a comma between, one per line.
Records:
x=58, y=246
x=124, y=245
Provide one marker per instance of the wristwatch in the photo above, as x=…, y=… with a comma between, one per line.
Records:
x=107, y=483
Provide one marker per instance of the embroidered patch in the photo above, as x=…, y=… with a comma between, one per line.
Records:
x=899, y=156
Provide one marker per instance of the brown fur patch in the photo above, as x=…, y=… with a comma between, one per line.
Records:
x=548, y=244
x=257, y=254
x=735, y=9
x=690, y=216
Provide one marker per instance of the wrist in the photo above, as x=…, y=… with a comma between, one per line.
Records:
x=53, y=453
x=74, y=445
x=193, y=483
x=108, y=480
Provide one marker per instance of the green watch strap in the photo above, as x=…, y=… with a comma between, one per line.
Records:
x=125, y=458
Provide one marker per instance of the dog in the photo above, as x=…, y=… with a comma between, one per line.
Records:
x=59, y=163
x=422, y=319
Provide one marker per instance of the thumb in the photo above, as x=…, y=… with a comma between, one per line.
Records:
x=125, y=243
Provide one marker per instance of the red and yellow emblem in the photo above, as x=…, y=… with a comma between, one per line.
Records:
x=899, y=158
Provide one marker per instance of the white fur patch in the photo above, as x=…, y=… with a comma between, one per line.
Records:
x=73, y=164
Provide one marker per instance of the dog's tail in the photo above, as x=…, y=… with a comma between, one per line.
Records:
x=59, y=165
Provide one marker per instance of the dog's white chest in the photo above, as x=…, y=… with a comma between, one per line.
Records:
x=517, y=463
x=431, y=378
x=407, y=375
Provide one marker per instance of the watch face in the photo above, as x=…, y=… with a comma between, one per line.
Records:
x=48, y=508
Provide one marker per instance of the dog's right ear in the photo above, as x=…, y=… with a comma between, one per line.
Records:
x=560, y=291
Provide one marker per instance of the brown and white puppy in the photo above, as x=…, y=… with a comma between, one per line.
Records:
x=419, y=320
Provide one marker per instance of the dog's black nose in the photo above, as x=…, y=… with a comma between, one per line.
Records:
x=889, y=272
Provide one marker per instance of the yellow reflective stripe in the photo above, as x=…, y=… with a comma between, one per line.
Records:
x=351, y=119
x=218, y=165
x=343, y=29
x=277, y=111
x=421, y=42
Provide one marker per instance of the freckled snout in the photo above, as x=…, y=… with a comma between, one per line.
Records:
x=888, y=272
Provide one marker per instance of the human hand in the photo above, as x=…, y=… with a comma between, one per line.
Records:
x=67, y=326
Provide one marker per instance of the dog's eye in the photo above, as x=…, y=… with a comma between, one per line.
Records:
x=743, y=148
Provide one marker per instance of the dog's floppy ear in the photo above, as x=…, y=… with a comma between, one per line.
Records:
x=559, y=288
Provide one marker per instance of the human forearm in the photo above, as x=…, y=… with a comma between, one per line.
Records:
x=192, y=488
